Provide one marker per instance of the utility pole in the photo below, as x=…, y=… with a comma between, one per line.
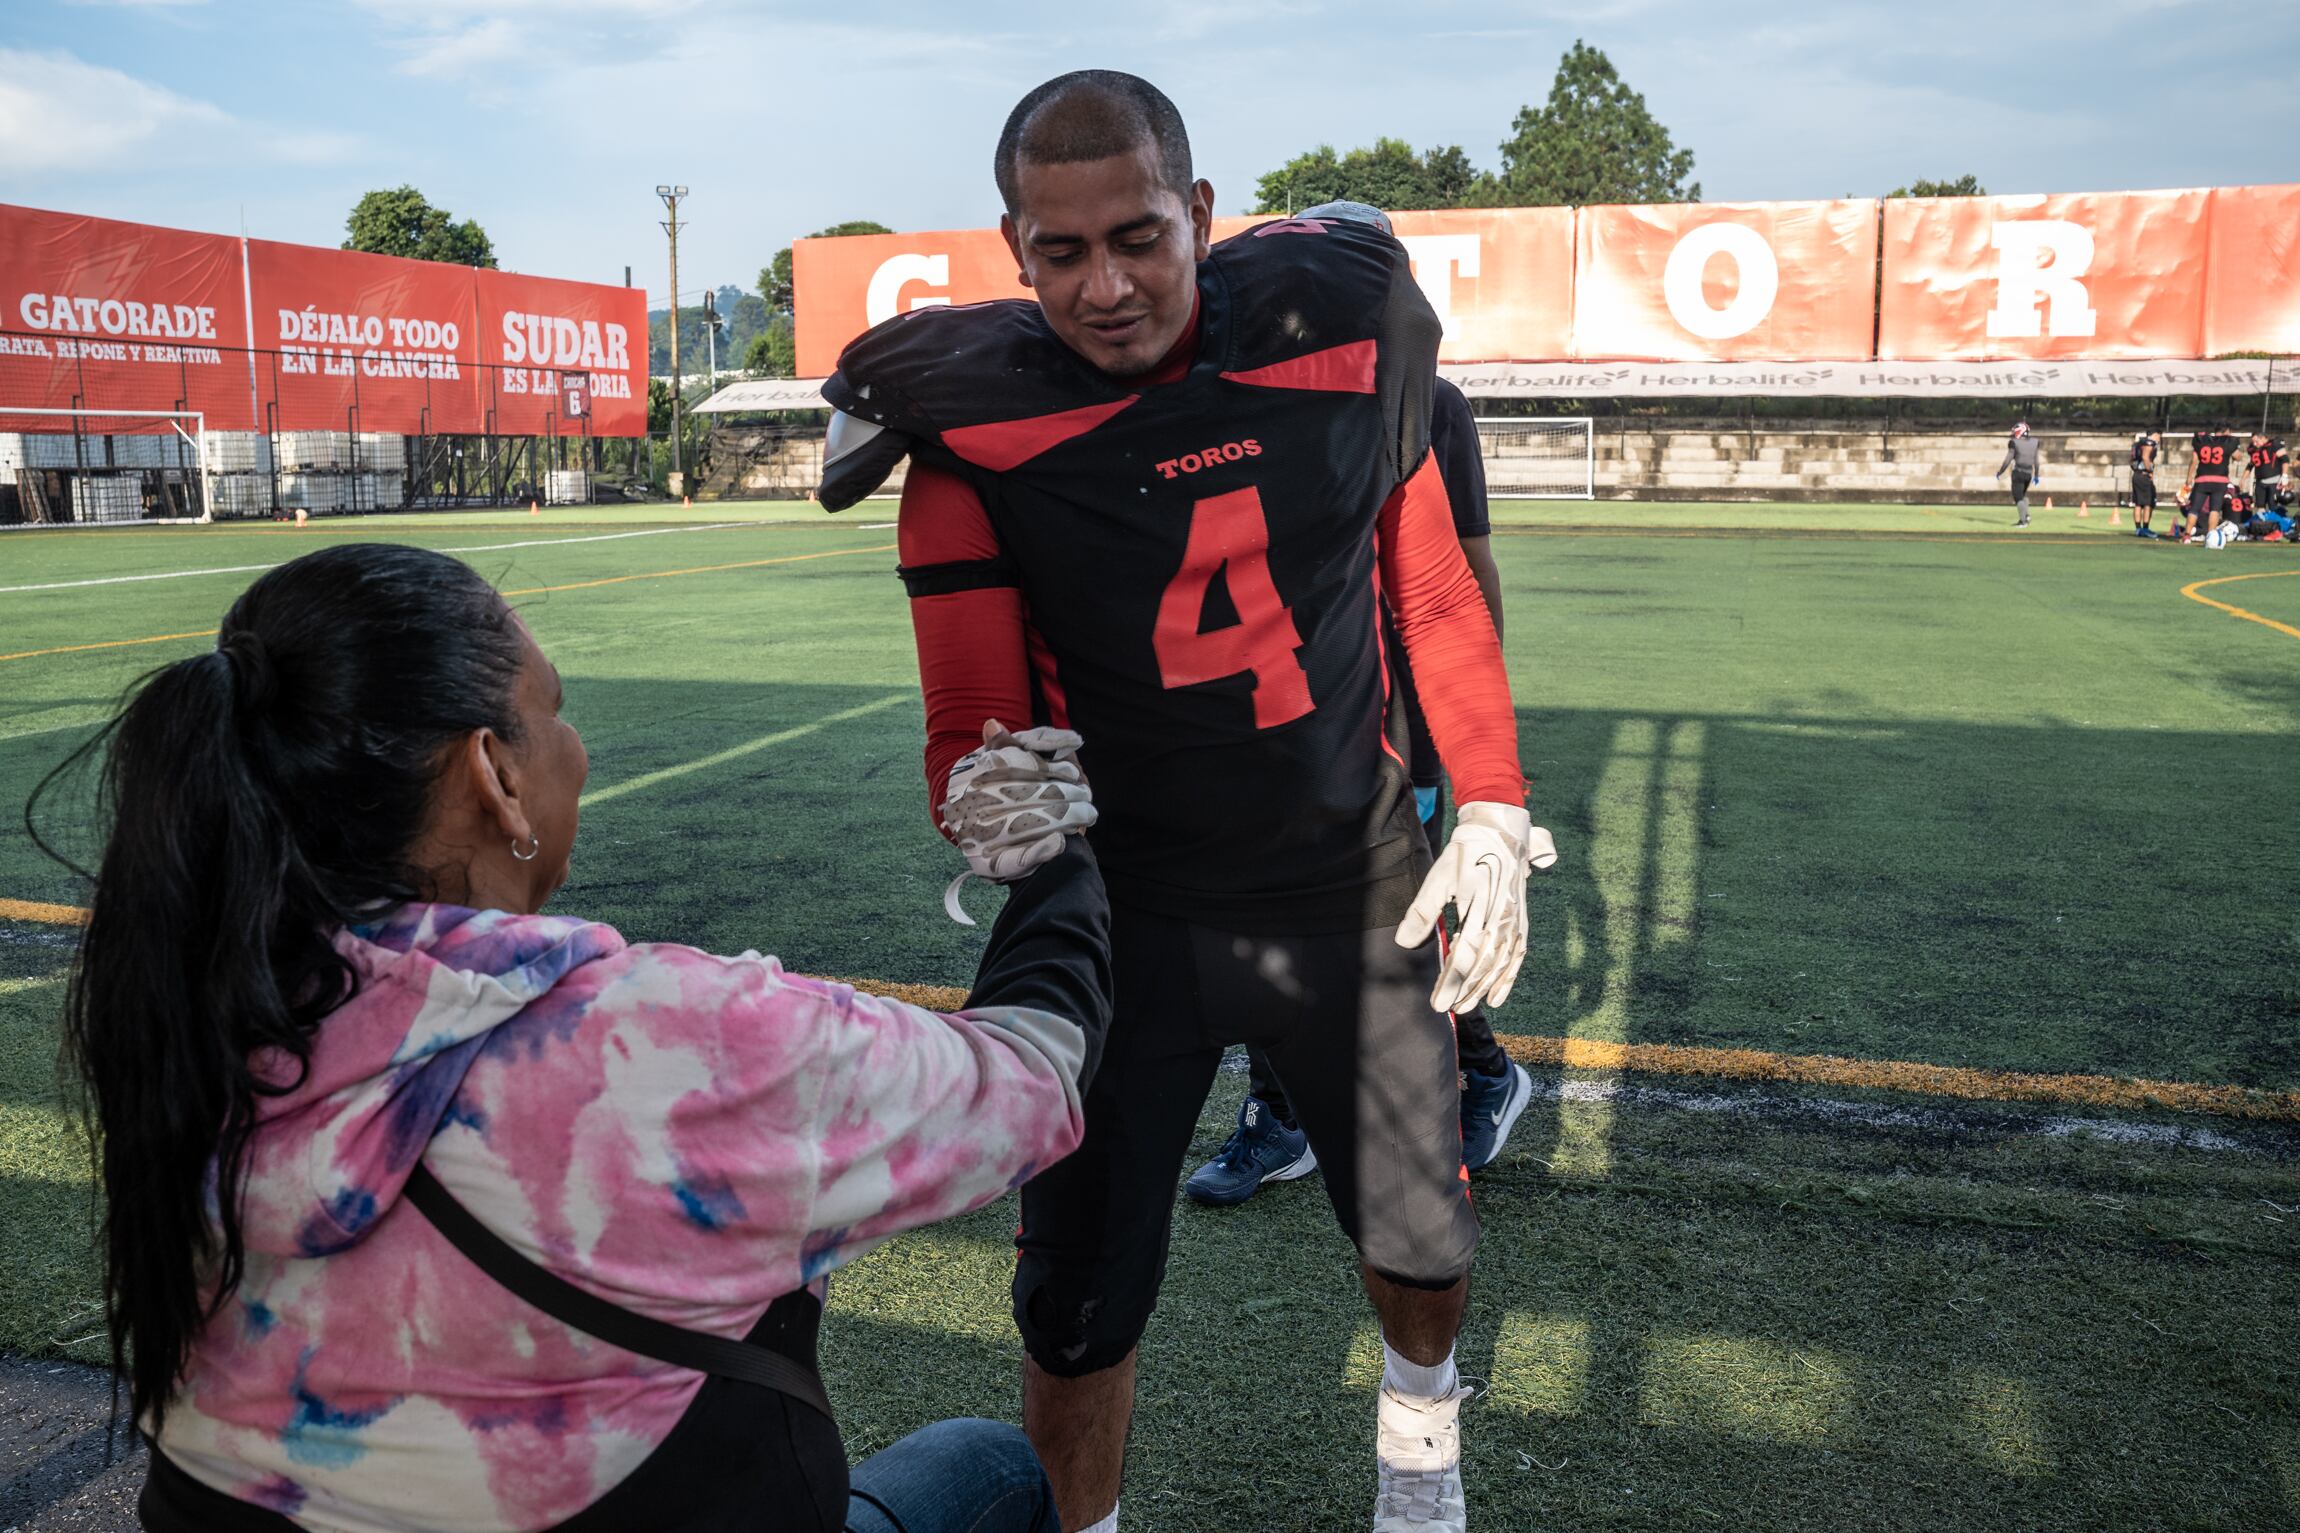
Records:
x=671, y=226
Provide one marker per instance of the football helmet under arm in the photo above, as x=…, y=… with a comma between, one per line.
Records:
x=856, y=459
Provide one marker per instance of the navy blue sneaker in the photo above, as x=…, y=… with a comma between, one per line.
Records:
x=1260, y=1150
x=1490, y=1108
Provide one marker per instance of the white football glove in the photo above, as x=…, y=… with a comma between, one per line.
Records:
x=1481, y=873
x=1009, y=804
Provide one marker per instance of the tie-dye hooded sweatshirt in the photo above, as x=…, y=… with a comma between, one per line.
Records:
x=689, y=1136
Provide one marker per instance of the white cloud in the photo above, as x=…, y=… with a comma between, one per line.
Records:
x=61, y=114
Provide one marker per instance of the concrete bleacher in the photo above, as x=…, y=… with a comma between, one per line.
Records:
x=1649, y=463
x=1653, y=463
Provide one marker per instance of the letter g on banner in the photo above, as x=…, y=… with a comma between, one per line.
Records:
x=884, y=298
x=2025, y=278
x=1760, y=276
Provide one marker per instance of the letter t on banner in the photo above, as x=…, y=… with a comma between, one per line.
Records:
x=1436, y=258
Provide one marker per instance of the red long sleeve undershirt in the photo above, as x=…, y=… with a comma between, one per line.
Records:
x=973, y=646
x=973, y=649
x=1450, y=642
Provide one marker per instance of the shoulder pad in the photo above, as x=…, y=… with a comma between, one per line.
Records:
x=1301, y=286
x=939, y=369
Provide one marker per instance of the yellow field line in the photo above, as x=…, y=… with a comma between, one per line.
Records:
x=580, y=585
x=2189, y=590
x=2096, y=1091
x=703, y=569
x=2099, y=1091
x=74, y=649
x=41, y=914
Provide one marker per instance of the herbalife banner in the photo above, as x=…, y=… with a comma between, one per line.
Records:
x=1866, y=380
x=1659, y=380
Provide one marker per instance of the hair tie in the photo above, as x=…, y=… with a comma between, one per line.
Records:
x=251, y=665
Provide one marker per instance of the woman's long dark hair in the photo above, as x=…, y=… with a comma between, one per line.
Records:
x=258, y=798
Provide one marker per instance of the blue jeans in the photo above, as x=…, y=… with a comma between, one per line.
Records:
x=963, y=1476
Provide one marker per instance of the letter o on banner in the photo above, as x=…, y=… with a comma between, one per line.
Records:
x=1760, y=281
x=881, y=303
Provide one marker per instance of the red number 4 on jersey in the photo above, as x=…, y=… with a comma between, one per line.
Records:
x=1230, y=530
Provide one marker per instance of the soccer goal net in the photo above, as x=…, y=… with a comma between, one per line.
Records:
x=1538, y=457
x=60, y=467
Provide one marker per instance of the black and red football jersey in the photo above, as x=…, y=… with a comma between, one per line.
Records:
x=2267, y=461
x=2215, y=452
x=1196, y=561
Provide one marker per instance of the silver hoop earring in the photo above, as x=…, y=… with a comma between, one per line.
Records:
x=534, y=849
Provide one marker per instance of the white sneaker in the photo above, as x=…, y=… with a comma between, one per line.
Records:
x=1417, y=1463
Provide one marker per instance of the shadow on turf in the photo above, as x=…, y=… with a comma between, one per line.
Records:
x=1803, y=882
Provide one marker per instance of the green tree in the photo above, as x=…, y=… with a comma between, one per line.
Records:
x=774, y=353
x=1592, y=143
x=775, y=276
x=401, y=222
x=1389, y=175
x=1962, y=186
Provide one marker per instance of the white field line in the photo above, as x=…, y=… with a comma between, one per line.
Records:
x=1876, y=1115
x=481, y=548
x=734, y=752
x=1868, y=1115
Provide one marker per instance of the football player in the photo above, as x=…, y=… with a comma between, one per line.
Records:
x=2144, y=452
x=2266, y=456
x=2214, y=449
x=1161, y=506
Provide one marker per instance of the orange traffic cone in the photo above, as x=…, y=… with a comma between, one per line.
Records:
x=688, y=501
x=2084, y=508
x=2048, y=502
x=2112, y=516
x=301, y=516
x=531, y=511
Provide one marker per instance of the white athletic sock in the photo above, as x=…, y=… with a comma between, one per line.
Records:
x=1108, y=1524
x=1416, y=1381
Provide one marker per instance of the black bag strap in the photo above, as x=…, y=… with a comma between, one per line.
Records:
x=610, y=1322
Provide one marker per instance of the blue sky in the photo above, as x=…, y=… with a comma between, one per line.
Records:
x=551, y=121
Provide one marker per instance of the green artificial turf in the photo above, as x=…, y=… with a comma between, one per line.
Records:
x=1868, y=781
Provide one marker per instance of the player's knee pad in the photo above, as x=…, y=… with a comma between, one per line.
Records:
x=1076, y=1324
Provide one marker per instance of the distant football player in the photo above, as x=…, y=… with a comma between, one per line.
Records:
x=2266, y=457
x=2144, y=454
x=2215, y=451
x=1160, y=507
x=2021, y=456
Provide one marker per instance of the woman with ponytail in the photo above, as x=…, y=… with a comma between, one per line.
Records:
x=424, y=1210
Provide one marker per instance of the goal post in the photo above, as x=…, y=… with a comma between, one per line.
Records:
x=1538, y=457
x=92, y=467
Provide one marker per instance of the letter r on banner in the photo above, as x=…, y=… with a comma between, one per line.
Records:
x=882, y=301
x=1436, y=258
x=1759, y=270
x=2024, y=279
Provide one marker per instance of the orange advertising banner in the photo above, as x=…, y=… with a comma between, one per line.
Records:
x=1500, y=278
x=2252, y=277
x=2104, y=275
x=96, y=313
x=363, y=342
x=1750, y=281
x=564, y=358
